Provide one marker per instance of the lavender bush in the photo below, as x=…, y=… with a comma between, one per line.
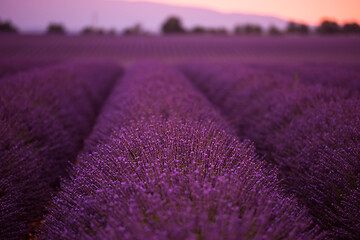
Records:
x=174, y=180
x=170, y=172
x=308, y=131
x=45, y=115
x=319, y=157
x=10, y=66
x=148, y=89
x=345, y=75
x=256, y=103
x=161, y=163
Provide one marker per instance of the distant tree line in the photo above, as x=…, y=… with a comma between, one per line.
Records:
x=56, y=28
x=173, y=25
x=7, y=27
x=59, y=29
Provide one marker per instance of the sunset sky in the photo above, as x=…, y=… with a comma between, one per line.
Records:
x=34, y=15
x=309, y=11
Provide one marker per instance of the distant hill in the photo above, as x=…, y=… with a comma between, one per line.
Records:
x=34, y=15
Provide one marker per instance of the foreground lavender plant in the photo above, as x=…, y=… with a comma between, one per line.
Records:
x=161, y=179
x=319, y=157
x=170, y=172
x=308, y=131
x=44, y=117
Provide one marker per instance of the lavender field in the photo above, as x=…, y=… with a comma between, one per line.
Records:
x=179, y=137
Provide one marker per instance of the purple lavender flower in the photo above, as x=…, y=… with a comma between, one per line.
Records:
x=171, y=179
x=169, y=170
x=308, y=131
x=318, y=154
x=45, y=115
x=148, y=89
x=256, y=103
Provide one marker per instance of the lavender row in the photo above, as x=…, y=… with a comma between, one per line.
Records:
x=319, y=157
x=342, y=75
x=168, y=170
x=45, y=116
x=255, y=102
x=10, y=66
x=150, y=89
x=173, y=180
x=185, y=48
x=290, y=122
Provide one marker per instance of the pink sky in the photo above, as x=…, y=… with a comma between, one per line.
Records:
x=308, y=11
x=34, y=15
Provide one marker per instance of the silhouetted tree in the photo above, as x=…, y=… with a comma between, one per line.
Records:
x=209, y=31
x=217, y=31
x=134, y=30
x=328, y=27
x=239, y=30
x=274, y=31
x=248, y=29
x=100, y=31
x=56, y=28
x=351, y=28
x=112, y=32
x=297, y=28
x=87, y=31
x=253, y=29
x=291, y=27
x=7, y=27
x=172, y=25
x=304, y=29
x=198, y=30
x=93, y=31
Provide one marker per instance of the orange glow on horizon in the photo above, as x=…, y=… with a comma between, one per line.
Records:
x=306, y=11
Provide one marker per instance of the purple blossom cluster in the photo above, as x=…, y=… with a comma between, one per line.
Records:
x=309, y=131
x=160, y=164
x=45, y=115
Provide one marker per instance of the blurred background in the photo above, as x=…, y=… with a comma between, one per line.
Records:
x=179, y=30
x=196, y=16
